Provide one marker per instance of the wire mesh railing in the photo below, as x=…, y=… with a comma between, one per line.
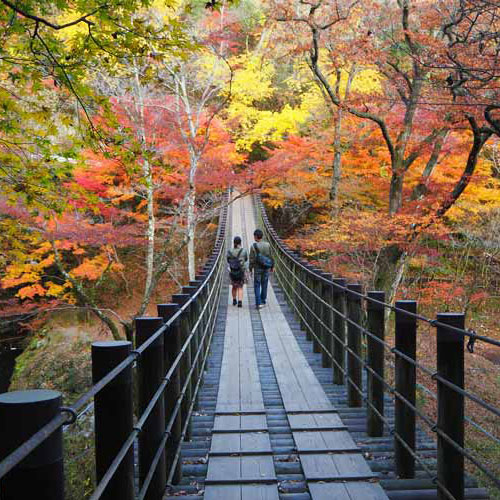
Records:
x=348, y=327
x=159, y=376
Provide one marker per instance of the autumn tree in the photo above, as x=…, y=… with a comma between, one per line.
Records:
x=195, y=90
x=47, y=49
x=469, y=73
x=384, y=42
x=136, y=177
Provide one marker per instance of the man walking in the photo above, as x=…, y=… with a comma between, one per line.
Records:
x=261, y=264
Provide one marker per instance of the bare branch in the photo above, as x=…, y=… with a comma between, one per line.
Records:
x=41, y=20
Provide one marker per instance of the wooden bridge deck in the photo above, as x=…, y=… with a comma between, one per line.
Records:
x=241, y=456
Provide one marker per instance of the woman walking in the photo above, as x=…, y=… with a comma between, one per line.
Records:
x=237, y=258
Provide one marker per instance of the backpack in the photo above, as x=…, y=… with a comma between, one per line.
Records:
x=235, y=270
x=263, y=261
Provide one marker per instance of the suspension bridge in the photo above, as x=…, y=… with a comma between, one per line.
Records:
x=292, y=401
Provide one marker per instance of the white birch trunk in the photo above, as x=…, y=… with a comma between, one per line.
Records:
x=398, y=278
x=147, y=172
x=191, y=216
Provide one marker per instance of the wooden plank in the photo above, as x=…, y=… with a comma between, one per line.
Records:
x=250, y=389
x=311, y=421
x=241, y=469
x=256, y=443
x=227, y=423
x=260, y=467
x=259, y=492
x=327, y=491
x=240, y=412
x=223, y=492
x=346, y=491
x=299, y=387
x=228, y=398
x=241, y=492
x=348, y=463
x=221, y=468
x=255, y=422
x=291, y=392
x=329, y=467
x=225, y=443
x=367, y=491
x=324, y=441
x=239, y=388
x=240, y=423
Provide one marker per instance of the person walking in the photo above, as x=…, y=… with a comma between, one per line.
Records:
x=261, y=263
x=237, y=258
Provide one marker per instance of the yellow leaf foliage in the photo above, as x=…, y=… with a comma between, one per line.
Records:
x=252, y=86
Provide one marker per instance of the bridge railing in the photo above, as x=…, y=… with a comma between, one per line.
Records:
x=348, y=327
x=157, y=379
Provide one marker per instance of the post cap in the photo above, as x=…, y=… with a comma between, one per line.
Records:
x=377, y=295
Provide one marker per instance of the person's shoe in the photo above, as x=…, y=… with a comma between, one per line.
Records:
x=263, y=305
x=257, y=306
x=234, y=302
x=240, y=303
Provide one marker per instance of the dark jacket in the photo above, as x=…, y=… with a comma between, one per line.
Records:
x=264, y=248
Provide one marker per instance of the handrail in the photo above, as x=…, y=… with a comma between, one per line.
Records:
x=190, y=327
x=334, y=318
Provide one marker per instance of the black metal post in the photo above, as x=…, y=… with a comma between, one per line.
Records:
x=405, y=383
x=304, y=296
x=151, y=371
x=181, y=299
x=114, y=418
x=450, y=366
x=327, y=319
x=339, y=329
x=375, y=361
x=318, y=309
x=202, y=300
x=286, y=272
x=41, y=474
x=354, y=366
x=171, y=349
x=308, y=306
x=291, y=278
x=193, y=313
x=294, y=300
x=315, y=305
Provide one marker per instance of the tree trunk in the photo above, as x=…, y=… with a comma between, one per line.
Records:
x=396, y=192
x=128, y=328
x=337, y=158
x=399, y=166
x=337, y=138
x=480, y=138
x=421, y=188
x=191, y=233
x=337, y=173
x=108, y=322
x=399, y=273
x=147, y=172
x=150, y=253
